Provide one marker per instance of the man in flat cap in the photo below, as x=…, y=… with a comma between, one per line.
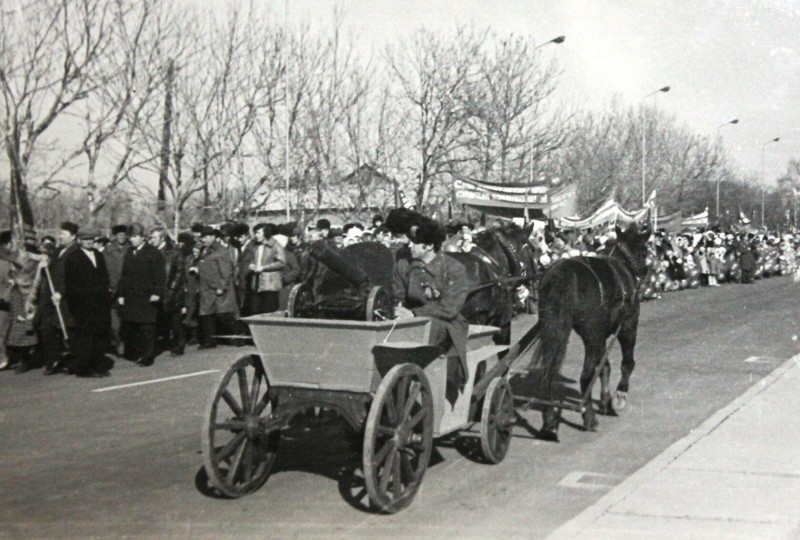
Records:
x=113, y=255
x=88, y=299
x=141, y=288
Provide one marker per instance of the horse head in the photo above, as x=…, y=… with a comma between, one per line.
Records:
x=632, y=246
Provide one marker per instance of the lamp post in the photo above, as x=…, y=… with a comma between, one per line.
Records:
x=719, y=180
x=558, y=40
x=644, y=143
x=763, y=179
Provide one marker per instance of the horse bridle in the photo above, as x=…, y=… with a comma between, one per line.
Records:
x=628, y=256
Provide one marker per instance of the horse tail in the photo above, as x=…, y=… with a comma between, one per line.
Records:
x=557, y=297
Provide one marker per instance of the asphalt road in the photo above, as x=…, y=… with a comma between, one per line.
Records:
x=79, y=457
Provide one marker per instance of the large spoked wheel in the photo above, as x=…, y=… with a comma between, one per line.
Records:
x=299, y=301
x=399, y=438
x=497, y=420
x=379, y=304
x=238, y=450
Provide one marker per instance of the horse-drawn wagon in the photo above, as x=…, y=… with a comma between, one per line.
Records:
x=390, y=385
x=380, y=376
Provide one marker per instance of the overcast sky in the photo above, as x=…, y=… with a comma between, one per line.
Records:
x=724, y=59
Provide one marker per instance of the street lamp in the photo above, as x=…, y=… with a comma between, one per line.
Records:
x=763, y=179
x=557, y=41
x=644, y=142
x=719, y=179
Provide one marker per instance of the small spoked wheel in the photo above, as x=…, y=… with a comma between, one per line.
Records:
x=238, y=447
x=398, y=438
x=299, y=301
x=379, y=304
x=497, y=420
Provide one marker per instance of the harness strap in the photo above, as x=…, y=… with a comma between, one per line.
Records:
x=582, y=260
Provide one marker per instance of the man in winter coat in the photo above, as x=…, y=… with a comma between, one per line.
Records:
x=217, y=273
x=142, y=286
x=260, y=268
x=88, y=299
x=7, y=261
x=113, y=254
x=52, y=316
x=435, y=285
x=170, y=324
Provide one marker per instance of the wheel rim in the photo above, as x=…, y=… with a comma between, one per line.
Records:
x=497, y=420
x=298, y=301
x=238, y=452
x=399, y=438
x=379, y=305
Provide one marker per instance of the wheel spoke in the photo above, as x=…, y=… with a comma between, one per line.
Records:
x=248, y=462
x=410, y=401
x=397, y=483
x=402, y=391
x=241, y=374
x=255, y=387
x=232, y=403
x=391, y=411
x=236, y=463
x=386, y=472
x=417, y=418
x=229, y=448
x=408, y=470
x=386, y=430
x=381, y=454
x=230, y=425
x=262, y=404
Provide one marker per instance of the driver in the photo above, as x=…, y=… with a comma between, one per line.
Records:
x=435, y=286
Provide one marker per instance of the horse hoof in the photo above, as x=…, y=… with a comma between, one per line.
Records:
x=607, y=407
x=620, y=401
x=590, y=423
x=547, y=435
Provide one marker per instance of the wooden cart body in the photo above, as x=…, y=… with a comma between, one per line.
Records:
x=381, y=376
x=354, y=356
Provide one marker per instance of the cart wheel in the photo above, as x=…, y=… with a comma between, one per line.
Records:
x=299, y=301
x=398, y=438
x=379, y=304
x=238, y=451
x=497, y=420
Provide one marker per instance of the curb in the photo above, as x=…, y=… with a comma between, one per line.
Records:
x=582, y=522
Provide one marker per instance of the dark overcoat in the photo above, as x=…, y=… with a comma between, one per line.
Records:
x=437, y=290
x=175, y=297
x=143, y=275
x=217, y=272
x=87, y=291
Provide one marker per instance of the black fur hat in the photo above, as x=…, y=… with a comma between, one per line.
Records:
x=116, y=229
x=401, y=220
x=430, y=232
x=70, y=227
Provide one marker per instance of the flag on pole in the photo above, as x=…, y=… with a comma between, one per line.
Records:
x=743, y=218
x=651, y=200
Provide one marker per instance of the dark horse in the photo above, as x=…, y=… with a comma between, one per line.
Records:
x=597, y=297
x=495, y=267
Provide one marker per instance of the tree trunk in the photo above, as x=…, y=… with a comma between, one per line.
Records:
x=163, y=172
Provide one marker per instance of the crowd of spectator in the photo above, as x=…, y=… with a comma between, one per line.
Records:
x=70, y=303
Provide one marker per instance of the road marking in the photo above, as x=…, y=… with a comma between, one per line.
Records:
x=587, y=480
x=142, y=383
x=761, y=360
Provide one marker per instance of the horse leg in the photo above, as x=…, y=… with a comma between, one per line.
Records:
x=606, y=406
x=627, y=342
x=595, y=350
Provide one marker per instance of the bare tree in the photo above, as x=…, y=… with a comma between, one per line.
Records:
x=51, y=54
x=433, y=75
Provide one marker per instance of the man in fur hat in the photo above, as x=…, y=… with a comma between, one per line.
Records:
x=435, y=286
